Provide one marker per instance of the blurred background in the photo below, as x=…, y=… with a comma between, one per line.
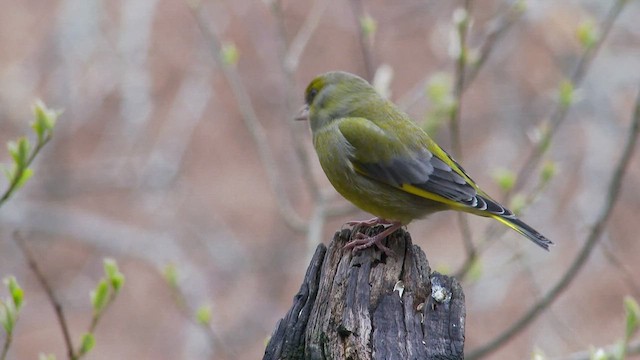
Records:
x=177, y=146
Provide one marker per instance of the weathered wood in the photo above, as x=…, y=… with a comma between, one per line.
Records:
x=372, y=306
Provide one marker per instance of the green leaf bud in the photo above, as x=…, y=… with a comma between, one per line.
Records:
x=100, y=296
x=230, y=54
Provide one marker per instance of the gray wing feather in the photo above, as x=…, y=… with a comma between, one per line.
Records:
x=429, y=173
x=424, y=171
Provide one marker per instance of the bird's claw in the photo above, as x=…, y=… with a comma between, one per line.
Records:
x=370, y=222
x=363, y=241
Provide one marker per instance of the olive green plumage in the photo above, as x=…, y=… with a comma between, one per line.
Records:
x=377, y=158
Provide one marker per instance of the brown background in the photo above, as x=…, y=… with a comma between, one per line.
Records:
x=151, y=163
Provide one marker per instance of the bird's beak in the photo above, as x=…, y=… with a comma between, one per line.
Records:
x=303, y=113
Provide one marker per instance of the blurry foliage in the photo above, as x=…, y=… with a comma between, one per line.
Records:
x=9, y=311
x=442, y=91
x=23, y=153
x=18, y=173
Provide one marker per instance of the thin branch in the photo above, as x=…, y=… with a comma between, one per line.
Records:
x=18, y=175
x=166, y=158
x=251, y=121
x=560, y=327
x=558, y=116
x=462, y=27
x=289, y=71
x=629, y=277
x=7, y=343
x=492, y=37
x=33, y=265
x=467, y=239
x=292, y=59
x=97, y=315
x=592, y=239
x=496, y=31
x=185, y=309
x=496, y=230
x=560, y=111
x=367, y=57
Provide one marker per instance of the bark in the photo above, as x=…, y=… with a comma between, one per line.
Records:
x=371, y=306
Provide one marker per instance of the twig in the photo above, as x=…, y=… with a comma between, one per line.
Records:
x=98, y=315
x=292, y=59
x=562, y=330
x=496, y=230
x=289, y=71
x=462, y=27
x=560, y=111
x=7, y=343
x=558, y=116
x=491, y=39
x=495, y=33
x=33, y=265
x=167, y=155
x=184, y=308
x=467, y=238
x=583, y=255
x=16, y=178
x=367, y=56
x=251, y=121
x=628, y=275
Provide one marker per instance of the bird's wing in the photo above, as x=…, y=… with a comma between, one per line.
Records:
x=411, y=167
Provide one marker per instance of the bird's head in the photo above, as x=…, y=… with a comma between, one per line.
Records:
x=335, y=95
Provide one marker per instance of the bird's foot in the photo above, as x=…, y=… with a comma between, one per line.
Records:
x=363, y=241
x=370, y=222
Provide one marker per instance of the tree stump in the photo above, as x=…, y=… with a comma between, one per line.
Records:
x=371, y=306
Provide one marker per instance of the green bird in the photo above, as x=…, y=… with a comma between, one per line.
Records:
x=377, y=158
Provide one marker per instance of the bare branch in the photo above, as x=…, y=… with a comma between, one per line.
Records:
x=252, y=123
x=288, y=71
x=166, y=158
x=292, y=59
x=560, y=111
x=358, y=14
x=462, y=28
x=557, y=118
x=628, y=275
x=492, y=37
x=583, y=255
x=57, y=306
x=496, y=230
x=496, y=31
x=188, y=312
x=461, y=22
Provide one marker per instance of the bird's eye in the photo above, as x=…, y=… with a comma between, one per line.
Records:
x=311, y=95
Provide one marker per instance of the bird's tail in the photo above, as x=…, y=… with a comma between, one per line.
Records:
x=524, y=229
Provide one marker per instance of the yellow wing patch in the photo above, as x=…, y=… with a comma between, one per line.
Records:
x=431, y=196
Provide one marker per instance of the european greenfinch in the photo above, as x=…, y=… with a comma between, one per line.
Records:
x=377, y=158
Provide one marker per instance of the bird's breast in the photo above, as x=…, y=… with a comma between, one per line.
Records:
x=382, y=200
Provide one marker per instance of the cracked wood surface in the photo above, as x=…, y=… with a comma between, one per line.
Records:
x=371, y=306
